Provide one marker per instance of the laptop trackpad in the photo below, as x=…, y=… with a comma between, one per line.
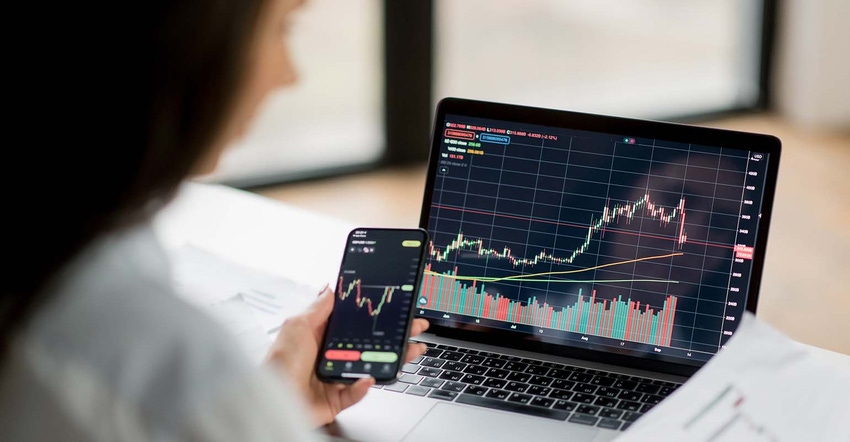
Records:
x=455, y=422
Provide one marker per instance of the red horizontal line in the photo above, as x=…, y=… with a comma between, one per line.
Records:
x=626, y=232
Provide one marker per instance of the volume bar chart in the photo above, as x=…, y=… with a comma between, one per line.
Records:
x=612, y=318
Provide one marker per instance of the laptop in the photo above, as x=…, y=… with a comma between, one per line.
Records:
x=581, y=268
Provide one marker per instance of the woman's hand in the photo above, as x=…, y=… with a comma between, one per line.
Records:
x=295, y=351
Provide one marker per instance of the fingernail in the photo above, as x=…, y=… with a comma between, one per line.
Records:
x=325, y=287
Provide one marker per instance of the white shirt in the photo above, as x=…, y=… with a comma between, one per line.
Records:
x=115, y=355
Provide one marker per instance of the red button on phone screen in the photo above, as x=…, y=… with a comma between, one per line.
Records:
x=342, y=355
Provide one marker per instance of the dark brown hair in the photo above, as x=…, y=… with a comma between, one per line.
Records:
x=127, y=105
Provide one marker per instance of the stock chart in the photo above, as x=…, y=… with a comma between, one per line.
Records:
x=593, y=239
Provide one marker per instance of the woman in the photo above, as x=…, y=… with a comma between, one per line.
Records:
x=95, y=344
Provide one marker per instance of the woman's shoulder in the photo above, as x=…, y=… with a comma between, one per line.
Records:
x=113, y=324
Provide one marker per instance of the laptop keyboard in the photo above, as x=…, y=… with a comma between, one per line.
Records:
x=529, y=386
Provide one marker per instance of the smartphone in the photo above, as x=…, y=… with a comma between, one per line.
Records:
x=374, y=296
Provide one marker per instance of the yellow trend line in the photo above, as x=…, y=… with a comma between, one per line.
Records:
x=564, y=272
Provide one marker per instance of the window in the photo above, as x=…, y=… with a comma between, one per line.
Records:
x=642, y=58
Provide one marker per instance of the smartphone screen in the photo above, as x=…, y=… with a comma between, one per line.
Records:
x=374, y=295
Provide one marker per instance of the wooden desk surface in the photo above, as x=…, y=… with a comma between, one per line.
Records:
x=806, y=288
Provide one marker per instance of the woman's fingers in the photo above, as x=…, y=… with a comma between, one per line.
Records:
x=352, y=394
x=418, y=326
x=414, y=349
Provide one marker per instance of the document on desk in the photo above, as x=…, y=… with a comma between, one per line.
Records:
x=762, y=387
x=250, y=304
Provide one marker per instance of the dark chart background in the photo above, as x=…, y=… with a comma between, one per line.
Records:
x=633, y=219
x=374, y=292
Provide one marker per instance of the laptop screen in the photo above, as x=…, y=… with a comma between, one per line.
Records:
x=604, y=241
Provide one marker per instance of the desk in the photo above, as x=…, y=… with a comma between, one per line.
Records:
x=273, y=237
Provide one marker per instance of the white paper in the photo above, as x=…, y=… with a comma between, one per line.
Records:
x=761, y=387
x=250, y=304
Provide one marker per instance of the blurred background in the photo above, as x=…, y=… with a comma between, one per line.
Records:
x=351, y=138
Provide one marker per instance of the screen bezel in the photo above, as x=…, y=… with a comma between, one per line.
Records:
x=410, y=314
x=606, y=125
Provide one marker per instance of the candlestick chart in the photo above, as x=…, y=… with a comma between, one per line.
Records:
x=590, y=238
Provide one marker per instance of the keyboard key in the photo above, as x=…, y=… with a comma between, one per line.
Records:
x=452, y=356
x=430, y=372
x=431, y=382
x=519, y=377
x=585, y=388
x=512, y=406
x=472, y=359
x=542, y=401
x=398, y=387
x=626, y=426
x=595, y=372
x=453, y=386
x=651, y=399
x=537, y=370
x=515, y=366
x=377, y=387
x=418, y=390
x=408, y=378
x=558, y=373
x=631, y=417
x=610, y=413
x=666, y=391
x=451, y=375
x=607, y=392
x=628, y=406
x=454, y=366
x=516, y=386
x=605, y=402
x=530, y=361
x=646, y=407
x=476, y=390
x=494, y=363
x=473, y=379
x=417, y=360
x=625, y=385
x=497, y=373
x=587, y=409
x=409, y=368
x=562, y=384
x=443, y=394
x=520, y=398
x=561, y=394
x=447, y=347
x=647, y=388
x=494, y=383
x=640, y=379
x=663, y=383
x=466, y=350
x=583, y=419
x=565, y=405
x=581, y=377
x=432, y=362
x=603, y=381
x=629, y=395
x=620, y=376
x=610, y=424
x=583, y=398
x=432, y=352
x=475, y=369
x=498, y=394
x=505, y=357
x=489, y=354
x=543, y=381
x=429, y=344
x=538, y=390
